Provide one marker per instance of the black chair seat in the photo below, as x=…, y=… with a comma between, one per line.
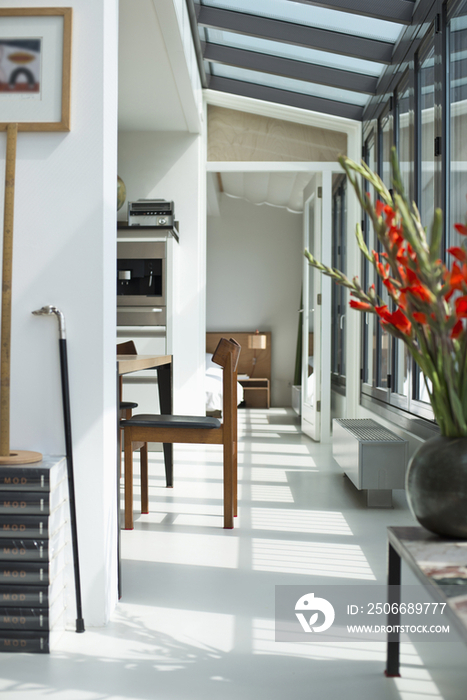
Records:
x=124, y=405
x=155, y=421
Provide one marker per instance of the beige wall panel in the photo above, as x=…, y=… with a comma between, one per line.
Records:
x=241, y=136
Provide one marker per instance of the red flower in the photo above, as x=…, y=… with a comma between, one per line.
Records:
x=360, y=305
x=461, y=307
x=455, y=280
x=460, y=228
x=419, y=317
x=457, y=330
x=420, y=292
x=397, y=319
x=389, y=286
x=458, y=253
x=379, y=206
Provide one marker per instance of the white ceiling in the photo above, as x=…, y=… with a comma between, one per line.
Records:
x=277, y=189
x=148, y=96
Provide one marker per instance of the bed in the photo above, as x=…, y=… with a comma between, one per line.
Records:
x=262, y=367
x=213, y=384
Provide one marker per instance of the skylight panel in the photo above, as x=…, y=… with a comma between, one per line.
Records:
x=294, y=52
x=313, y=16
x=274, y=81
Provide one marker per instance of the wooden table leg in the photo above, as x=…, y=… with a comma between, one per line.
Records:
x=128, y=482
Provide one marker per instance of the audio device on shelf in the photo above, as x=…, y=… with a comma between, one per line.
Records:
x=151, y=212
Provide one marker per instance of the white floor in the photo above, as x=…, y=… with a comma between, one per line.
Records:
x=196, y=619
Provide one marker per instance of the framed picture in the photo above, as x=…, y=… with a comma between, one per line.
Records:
x=35, y=60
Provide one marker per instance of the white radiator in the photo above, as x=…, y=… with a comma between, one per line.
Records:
x=373, y=457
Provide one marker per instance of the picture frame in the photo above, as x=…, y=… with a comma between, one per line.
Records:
x=35, y=66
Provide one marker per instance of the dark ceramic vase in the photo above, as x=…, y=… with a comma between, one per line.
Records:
x=436, y=486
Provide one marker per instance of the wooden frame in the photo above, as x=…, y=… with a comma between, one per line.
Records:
x=51, y=26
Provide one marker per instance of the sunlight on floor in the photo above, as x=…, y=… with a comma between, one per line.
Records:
x=310, y=558
x=294, y=520
x=279, y=494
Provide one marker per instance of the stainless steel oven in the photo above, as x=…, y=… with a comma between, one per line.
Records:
x=141, y=312
x=141, y=284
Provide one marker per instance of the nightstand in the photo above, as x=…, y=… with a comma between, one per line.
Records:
x=256, y=392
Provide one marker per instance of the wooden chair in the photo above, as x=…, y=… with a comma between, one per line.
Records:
x=190, y=429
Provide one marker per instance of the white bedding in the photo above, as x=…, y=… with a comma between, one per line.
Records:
x=214, y=386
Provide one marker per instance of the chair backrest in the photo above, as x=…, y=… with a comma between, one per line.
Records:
x=127, y=348
x=227, y=348
x=226, y=355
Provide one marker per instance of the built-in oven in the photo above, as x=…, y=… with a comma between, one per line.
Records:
x=141, y=270
x=142, y=313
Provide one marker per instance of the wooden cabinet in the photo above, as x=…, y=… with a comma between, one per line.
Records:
x=256, y=392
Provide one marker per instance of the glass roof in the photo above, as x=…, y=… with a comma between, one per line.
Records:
x=314, y=16
x=294, y=52
x=298, y=52
x=276, y=81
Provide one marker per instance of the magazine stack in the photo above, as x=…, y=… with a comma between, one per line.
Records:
x=34, y=553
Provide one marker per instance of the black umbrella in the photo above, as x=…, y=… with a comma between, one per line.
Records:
x=47, y=311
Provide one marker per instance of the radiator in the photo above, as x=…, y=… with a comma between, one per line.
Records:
x=374, y=458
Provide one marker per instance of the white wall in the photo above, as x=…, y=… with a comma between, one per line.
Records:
x=254, y=264
x=167, y=165
x=64, y=254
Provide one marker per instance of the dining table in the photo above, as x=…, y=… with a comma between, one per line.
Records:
x=127, y=364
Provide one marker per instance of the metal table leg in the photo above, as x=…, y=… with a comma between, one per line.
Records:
x=164, y=378
x=393, y=638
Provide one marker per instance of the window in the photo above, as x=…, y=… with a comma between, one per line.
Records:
x=427, y=123
x=369, y=321
x=457, y=87
x=338, y=293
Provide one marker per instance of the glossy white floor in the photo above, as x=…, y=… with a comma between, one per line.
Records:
x=196, y=619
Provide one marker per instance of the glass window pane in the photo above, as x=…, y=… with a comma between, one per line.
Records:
x=427, y=136
x=338, y=293
x=382, y=336
x=458, y=123
x=369, y=321
x=405, y=146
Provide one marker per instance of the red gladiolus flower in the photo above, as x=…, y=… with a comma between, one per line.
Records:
x=401, y=322
x=395, y=237
x=360, y=305
x=379, y=206
x=460, y=228
x=458, y=253
x=389, y=286
x=456, y=277
x=397, y=319
x=457, y=330
x=390, y=215
x=419, y=317
x=382, y=311
x=402, y=301
x=420, y=292
x=461, y=307
x=383, y=270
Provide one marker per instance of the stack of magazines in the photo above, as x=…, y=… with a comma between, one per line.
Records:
x=34, y=554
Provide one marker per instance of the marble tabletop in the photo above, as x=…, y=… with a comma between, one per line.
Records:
x=439, y=563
